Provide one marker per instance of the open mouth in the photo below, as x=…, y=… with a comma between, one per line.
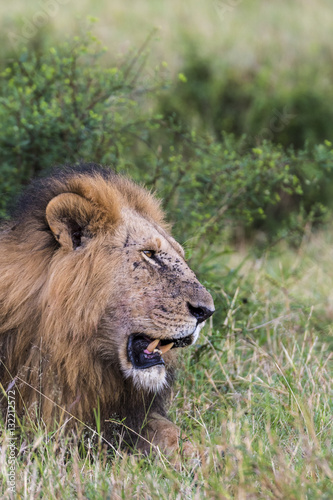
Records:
x=144, y=352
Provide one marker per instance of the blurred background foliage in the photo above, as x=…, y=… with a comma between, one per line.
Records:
x=238, y=144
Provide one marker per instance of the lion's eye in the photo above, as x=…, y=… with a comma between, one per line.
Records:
x=149, y=253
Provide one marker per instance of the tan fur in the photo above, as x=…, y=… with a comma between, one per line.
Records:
x=75, y=285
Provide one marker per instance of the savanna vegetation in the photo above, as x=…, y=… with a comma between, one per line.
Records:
x=225, y=109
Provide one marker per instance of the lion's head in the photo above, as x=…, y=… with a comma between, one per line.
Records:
x=161, y=306
x=93, y=284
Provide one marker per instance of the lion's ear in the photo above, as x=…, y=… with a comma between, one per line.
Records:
x=68, y=216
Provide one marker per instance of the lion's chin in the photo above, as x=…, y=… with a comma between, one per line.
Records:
x=151, y=379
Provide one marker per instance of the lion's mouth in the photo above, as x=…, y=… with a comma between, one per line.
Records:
x=144, y=352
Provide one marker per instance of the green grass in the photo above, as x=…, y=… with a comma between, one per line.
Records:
x=258, y=385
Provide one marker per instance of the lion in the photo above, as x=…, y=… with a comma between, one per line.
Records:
x=96, y=300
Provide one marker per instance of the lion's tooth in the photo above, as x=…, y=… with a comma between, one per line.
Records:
x=152, y=345
x=158, y=351
x=166, y=348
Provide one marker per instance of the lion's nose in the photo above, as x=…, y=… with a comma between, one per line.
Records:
x=201, y=313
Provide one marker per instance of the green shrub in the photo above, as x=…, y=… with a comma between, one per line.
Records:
x=214, y=190
x=61, y=104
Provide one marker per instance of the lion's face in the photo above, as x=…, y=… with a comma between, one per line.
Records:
x=132, y=274
x=161, y=306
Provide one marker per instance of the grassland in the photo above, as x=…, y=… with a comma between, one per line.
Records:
x=259, y=382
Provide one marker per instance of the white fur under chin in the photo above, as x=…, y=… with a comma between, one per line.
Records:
x=151, y=379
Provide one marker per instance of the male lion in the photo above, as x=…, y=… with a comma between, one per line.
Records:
x=95, y=300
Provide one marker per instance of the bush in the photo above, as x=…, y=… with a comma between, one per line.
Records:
x=214, y=190
x=62, y=105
